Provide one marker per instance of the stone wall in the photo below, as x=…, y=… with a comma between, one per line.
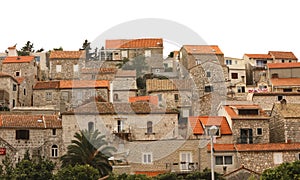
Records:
x=6, y=84
x=67, y=69
x=39, y=97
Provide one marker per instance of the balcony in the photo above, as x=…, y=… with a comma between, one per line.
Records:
x=123, y=134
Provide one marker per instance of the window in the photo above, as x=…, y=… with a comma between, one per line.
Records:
x=14, y=103
x=58, y=68
x=159, y=97
x=147, y=158
x=147, y=53
x=53, y=132
x=223, y=160
x=116, y=97
x=208, y=88
x=65, y=96
x=261, y=63
x=54, y=151
x=277, y=158
x=259, y=131
x=287, y=90
x=275, y=75
x=176, y=97
x=248, y=111
x=37, y=59
x=234, y=76
x=124, y=54
x=246, y=136
x=22, y=134
x=198, y=61
x=208, y=74
x=18, y=73
x=149, y=127
x=185, y=113
x=240, y=89
x=14, y=87
x=48, y=96
x=75, y=67
x=185, y=159
x=91, y=126
x=120, y=125
x=24, y=91
x=282, y=61
x=279, y=98
x=228, y=61
x=93, y=76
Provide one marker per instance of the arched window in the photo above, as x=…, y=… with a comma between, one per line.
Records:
x=149, y=127
x=91, y=126
x=116, y=97
x=54, y=151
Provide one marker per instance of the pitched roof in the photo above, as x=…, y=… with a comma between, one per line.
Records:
x=240, y=169
x=47, y=85
x=150, y=99
x=283, y=65
x=199, y=122
x=259, y=56
x=30, y=121
x=71, y=84
x=20, y=79
x=153, y=85
x=150, y=173
x=2, y=74
x=283, y=55
x=134, y=43
x=121, y=108
x=256, y=147
x=98, y=70
x=67, y=54
x=285, y=81
x=17, y=59
x=202, y=49
x=231, y=111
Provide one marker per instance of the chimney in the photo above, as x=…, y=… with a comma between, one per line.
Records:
x=12, y=51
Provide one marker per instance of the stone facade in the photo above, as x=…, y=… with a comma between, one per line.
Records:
x=10, y=85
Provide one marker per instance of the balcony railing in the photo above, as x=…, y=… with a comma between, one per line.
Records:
x=249, y=140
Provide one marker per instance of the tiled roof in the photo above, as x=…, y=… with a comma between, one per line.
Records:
x=150, y=99
x=7, y=75
x=150, y=173
x=239, y=169
x=122, y=108
x=283, y=55
x=202, y=49
x=20, y=79
x=17, y=59
x=98, y=70
x=199, y=122
x=153, y=85
x=134, y=43
x=259, y=56
x=126, y=73
x=71, y=84
x=47, y=85
x=30, y=121
x=283, y=65
x=67, y=54
x=285, y=81
x=256, y=147
x=234, y=115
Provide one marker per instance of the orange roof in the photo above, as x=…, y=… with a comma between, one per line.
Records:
x=202, y=49
x=47, y=85
x=20, y=79
x=134, y=43
x=67, y=54
x=70, y=84
x=232, y=113
x=150, y=173
x=199, y=122
x=259, y=56
x=29, y=121
x=18, y=59
x=285, y=81
x=283, y=65
x=256, y=147
x=283, y=55
x=151, y=99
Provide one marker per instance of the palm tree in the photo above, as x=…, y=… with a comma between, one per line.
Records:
x=89, y=147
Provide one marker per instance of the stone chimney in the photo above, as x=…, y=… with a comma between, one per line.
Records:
x=12, y=51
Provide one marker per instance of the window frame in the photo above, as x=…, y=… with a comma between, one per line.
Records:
x=257, y=131
x=234, y=75
x=147, y=53
x=48, y=96
x=147, y=158
x=223, y=158
x=21, y=136
x=54, y=151
x=54, y=132
x=184, y=165
x=58, y=68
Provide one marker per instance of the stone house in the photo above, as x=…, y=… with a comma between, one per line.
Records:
x=66, y=65
x=40, y=134
x=42, y=64
x=124, y=86
x=97, y=73
x=285, y=122
x=249, y=123
x=66, y=94
x=204, y=64
x=149, y=99
x=9, y=90
x=22, y=67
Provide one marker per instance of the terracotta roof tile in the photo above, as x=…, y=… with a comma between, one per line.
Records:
x=196, y=126
x=47, y=85
x=98, y=70
x=150, y=173
x=30, y=121
x=20, y=79
x=268, y=147
x=70, y=84
x=150, y=99
x=67, y=54
x=230, y=109
x=283, y=65
x=134, y=43
x=259, y=56
x=154, y=85
x=202, y=49
x=17, y=59
x=122, y=108
x=285, y=81
x=283, y=55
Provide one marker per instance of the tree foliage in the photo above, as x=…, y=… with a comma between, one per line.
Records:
x=138, y=63
x=89, y=147
x=288, y=170
x=79, y=172
x=26, y=49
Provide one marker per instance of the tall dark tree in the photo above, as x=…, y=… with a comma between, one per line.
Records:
x=26, y=49
x=86, y=45
x=89, y=147
x=138, y=63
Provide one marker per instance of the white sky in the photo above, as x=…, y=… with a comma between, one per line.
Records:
x=237, y=26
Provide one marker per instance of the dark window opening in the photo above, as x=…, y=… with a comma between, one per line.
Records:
x=246, y=136
x=22, y=134
x=149, y=127
x=17, y=73
x=259, y=131
x=287, y=90
x=90, y=126
x=14, y=87
x=208, y=88
x=176, y=97
x=234, y=76
x=208, y=74
x=54, y=132
x=279, y=98
x=248, y=111
x=275, y=75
